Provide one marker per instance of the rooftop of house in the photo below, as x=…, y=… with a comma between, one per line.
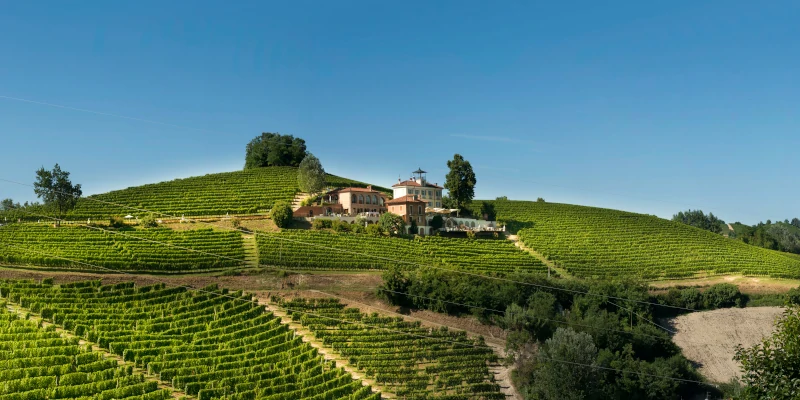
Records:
x=413, y=182
x=367, y=189
x=406, y=199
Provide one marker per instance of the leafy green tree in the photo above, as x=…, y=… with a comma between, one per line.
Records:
x=698, y=219
x=6, y=204
x=149, y=221
x=540, y=200
x=311, y=175
x=374, y=230
x=795, y=222
x=771, y=369
x=413, y=228
x=487, y=211
x=722, y=295
x=793, y=297
x=559, y=380
x=274, y=149
x=460, y=182
x=56, y=190
x=436, y=223
x=392, y=223
x=281, y=214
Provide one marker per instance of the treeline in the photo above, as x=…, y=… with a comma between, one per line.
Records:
x=780, y=236
x=578, y=322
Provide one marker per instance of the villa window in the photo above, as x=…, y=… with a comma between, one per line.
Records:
x=369, y=200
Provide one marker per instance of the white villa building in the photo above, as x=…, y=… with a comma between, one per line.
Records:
x=430, y=193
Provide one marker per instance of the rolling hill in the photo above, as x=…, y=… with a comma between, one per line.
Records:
x=240, y=192
x=594, y=242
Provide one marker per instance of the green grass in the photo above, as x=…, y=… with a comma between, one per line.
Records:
x=352, y=251
x=594, y=242
x=239, y=192
x=44, y=246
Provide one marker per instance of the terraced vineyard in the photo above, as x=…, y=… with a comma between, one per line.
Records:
x=436, y=364
x=596, y=242
x=41, y=245
x=38, y=363
x=211, y=344
x=290, y=248
x=241, y=192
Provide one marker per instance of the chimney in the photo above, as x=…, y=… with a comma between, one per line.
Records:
x=369, y=187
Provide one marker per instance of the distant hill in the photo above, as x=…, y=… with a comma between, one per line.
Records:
x=239, y=192
x=596, y=242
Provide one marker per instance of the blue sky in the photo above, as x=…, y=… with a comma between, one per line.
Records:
x=650, y=107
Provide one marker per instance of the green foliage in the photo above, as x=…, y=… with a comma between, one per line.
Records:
x=392, y=223
x=700, y=220
x=436, y=223
x=56, y=190
x=321, y=223
x=539, y=200
x=593, y=242
x=553, y=380
x=236, y=222
x=722, y=295
x=460, y=182
x=8, y=204
x=117, y=222
x=772, y=368
x=487, y=211
x=274, y=150
x=340, y=226
x=281, y=214
x=53, y=247
x=311, y=175
x=210, y=344
x=412, y=228
x=329, y=250
x=149, y=221
x=309, y=201
x=793, y=297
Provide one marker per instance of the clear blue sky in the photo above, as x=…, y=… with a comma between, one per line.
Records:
x=651, y=107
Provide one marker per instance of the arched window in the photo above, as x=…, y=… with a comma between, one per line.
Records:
x=374, y=199
x=361, y=199
x=369, y=199
x=381, y=200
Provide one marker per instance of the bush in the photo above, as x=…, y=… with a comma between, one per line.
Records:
x=116, y=222
x=722, y=295
x=281, y=214
x=309, y=201
x=374, y=230
x=320, y=224
x=340, y=226
x=793, y=297
x=149, y=221
x=355, y=228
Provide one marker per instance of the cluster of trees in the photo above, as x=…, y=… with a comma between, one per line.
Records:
x=600, y=334
x=700, y=220
x=55, y=189
x=781, y=236
x=274, y=150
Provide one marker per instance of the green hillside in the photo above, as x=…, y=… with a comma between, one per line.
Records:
x=239, y=192
x=351, y=251
x=45, y=246
x=595, y=242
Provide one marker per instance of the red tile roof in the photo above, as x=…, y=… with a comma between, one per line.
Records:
x=412, y=182
x=405, y=199
x=355, y=189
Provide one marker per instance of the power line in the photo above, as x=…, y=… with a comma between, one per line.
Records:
x=381, y=289
x=376, y=256
x=377, y=327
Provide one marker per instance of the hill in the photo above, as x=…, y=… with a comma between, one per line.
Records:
x=240, y=192
x=353, y=251
x=595, y=242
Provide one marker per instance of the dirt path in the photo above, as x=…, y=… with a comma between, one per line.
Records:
x=16, y=309
x=709, y=338
x=746, y=284
x=250, y=251
x=561, y=271
x=493, y=336
x=327, y=353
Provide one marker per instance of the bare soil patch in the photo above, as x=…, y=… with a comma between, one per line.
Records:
x=709, y=338
x=746, y=284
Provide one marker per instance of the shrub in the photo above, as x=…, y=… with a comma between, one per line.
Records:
x=281, y=214
x=437, y=222
x=355, y=228
x=793, y=297
x=340, y=226
x=309, y=201
x=116, y=222
x=320, y=224
x=374, y=230
x=149, y=221
x=691, y=298
x=722, y=295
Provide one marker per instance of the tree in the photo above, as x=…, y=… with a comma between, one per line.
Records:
x=698, y=219
x=436, y=223
x=8, y=204
x=392, y=223
x=413, y=228
x=771, y=369
x=540, y=200
x=559, y=380
x=311, y=175
x=281, y=214
x=273, y=150
x=56, y=190
x=460, y=182
x=149, y=221
x=796, y=222
x=487, y=211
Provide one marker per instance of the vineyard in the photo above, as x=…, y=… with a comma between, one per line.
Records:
x=42, y=245
x=403, y=357
x=38, y=363
x=594, y=242
x=210, y=344
x=241, y=192
x=347, y=251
